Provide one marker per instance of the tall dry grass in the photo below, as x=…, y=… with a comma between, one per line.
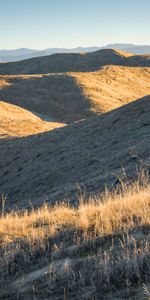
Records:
x=44, y=235
x=107, y=214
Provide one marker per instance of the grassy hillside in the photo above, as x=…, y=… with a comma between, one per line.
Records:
x=57, y=96
x=89, y=153
x=68, y=62
x=17, y=122
x=69, y=97
x=99, y=250
x=74, y=200
x=75, y=62
x=113, y=86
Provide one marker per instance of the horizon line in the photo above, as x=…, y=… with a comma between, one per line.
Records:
x=69, y=48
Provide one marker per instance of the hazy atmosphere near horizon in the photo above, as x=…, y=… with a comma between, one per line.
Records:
x=74, y=150
x=44, y=24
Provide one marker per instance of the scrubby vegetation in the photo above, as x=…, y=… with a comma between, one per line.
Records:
x=100, y=246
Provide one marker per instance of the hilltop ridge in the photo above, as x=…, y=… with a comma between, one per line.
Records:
x=74, y=62
x=25, y=53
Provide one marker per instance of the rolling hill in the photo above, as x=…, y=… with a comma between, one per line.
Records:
x=60, y=237
x=74, y=62
x=90, y=153
x=69, y=97
x=17, y=122
x=25, y=53
x=66, y=62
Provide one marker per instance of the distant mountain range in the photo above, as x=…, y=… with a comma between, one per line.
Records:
x=25, y=53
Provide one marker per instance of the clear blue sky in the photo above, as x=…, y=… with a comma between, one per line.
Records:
x=41, y=24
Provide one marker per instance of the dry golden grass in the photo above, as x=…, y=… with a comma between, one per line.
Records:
x=113, y=86
x=98, y=247
x=71, y=96
x=16, y=121
x=108, y=214
x=124, y=53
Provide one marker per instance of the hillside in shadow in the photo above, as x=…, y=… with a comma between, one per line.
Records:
x=90, y=153
x=75, y=62
x=57, y=96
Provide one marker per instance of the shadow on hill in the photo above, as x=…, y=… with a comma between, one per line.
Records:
x=138, y=61
x=56, y=96
x=91, y=153
x=74, y=62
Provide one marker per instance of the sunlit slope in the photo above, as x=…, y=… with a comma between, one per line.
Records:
x=114, y=86
x=69, y=97
x=17, y=122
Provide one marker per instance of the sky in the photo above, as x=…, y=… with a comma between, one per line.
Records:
x=41, y=24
